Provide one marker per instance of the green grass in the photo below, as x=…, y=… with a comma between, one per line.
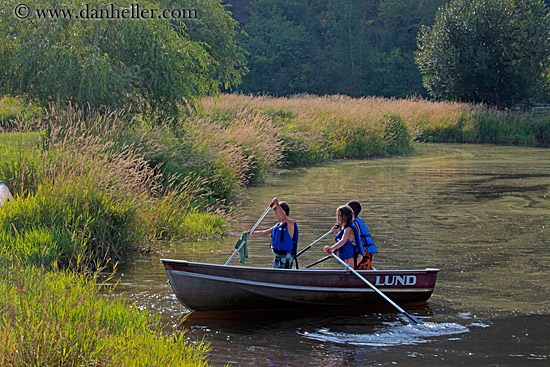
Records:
x=70, y=224
x=86, y=194
x=13, y=110
x=316, y=128
x=13, y=143
x=61, y=319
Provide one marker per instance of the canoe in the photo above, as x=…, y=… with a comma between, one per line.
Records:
x=209, y=287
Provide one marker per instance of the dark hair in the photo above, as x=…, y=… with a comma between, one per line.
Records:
x=355, y=206
x=285, y=207
x=347, y=213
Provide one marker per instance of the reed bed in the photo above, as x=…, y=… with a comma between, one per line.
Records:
x=309, y=106
x=60, y=319
x=313, y=129
x=88, y=195
x=311, y=116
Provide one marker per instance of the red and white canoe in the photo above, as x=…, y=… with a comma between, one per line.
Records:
x=208, y=287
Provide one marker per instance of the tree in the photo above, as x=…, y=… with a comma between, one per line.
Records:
x=151, y=64
x=279, y=49
x=490, y=51
x=217, y=32
x=351, y=47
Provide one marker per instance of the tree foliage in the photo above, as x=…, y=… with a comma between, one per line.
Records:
x=348, y=47
x=490, y=51
x=151, y=64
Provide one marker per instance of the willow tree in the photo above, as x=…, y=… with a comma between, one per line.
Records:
x=491, y=51
x=149, y=64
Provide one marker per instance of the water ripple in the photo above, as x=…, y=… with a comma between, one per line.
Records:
x=391, y=334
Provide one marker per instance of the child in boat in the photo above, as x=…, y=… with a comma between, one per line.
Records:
x=348, y=239
x=366, y=240
x=284, y=236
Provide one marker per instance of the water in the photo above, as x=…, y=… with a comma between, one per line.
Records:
x=479, y=213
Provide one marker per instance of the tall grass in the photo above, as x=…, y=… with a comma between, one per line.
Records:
x=307, y=121
x=312, y=129
x=89, y=195
x=14, y=110
x=60, y=319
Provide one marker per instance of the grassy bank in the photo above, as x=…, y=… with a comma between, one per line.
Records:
x=314, y=119
x=86, y=194
x=308, y=130
x=59, y=319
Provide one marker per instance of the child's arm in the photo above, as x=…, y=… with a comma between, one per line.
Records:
x=261, y=233
x=343, y=240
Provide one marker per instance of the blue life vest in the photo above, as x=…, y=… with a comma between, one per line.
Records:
x=350, y=249
x=281, y=240
x=366, y=239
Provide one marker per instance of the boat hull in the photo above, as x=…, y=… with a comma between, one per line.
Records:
x=208, y=287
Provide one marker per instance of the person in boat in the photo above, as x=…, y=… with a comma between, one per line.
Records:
x=284, y=236
x=366, y=240
x=348, y=240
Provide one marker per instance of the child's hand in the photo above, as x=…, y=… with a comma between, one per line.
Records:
x=335, y=228
x=328, y=249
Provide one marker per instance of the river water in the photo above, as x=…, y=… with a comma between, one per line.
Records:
x=481, y=214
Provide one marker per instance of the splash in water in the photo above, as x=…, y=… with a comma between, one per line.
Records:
x=390, y=334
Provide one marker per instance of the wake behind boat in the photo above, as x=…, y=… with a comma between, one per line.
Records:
x=208, y=287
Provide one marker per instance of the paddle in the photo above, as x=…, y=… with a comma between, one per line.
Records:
x=409, y=317
x=318, y=261
x=243, y=242
x=308, y=247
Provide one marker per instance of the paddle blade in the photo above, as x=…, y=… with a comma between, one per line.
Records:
x=412, y=319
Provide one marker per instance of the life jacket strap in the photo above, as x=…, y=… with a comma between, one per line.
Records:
x=294, y=242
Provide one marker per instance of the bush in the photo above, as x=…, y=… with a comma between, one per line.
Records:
x=487, y=51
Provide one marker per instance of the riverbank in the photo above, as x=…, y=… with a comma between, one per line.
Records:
x=447, y=122
x=92, y=187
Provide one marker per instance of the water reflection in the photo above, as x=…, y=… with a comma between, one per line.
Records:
x=479, y=213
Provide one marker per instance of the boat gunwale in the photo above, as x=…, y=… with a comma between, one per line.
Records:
x=303, y=270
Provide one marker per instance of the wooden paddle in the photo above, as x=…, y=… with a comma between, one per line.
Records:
x=410, y=318
x=250, y=232
x=308, y=247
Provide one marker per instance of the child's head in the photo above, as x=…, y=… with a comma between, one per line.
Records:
x=285, y=208
x=356, y=207
x=344, y=215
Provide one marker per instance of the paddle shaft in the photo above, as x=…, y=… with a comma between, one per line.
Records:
x=317, y=240
x=409, y=317
x=252, y=230
x=318, y=261
x=261, y=218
